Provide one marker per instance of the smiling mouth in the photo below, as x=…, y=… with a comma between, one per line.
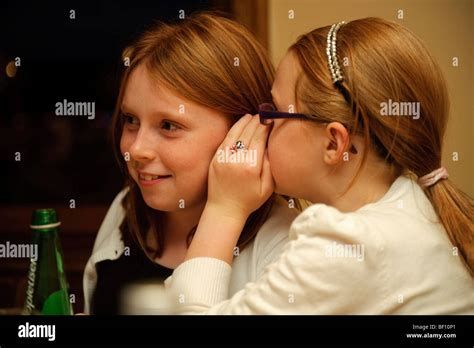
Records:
x=147, y=177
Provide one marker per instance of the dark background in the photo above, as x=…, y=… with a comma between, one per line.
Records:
x=65, y=158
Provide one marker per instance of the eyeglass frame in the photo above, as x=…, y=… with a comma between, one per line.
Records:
x=275, y=114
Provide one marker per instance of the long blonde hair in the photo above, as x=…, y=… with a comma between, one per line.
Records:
x=387, y=61
x=207, y=59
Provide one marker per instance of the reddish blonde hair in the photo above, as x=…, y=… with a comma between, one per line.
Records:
x=387, y=61
x=207, y=59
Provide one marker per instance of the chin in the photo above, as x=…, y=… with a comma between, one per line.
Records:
x=281, y=191
x=286, y=191
x=160, y=205
x=280, y=186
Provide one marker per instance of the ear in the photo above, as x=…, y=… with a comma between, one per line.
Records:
x=336, y=143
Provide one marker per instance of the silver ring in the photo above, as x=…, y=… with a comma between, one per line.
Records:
x=239, y=145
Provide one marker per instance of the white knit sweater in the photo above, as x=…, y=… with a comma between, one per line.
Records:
x=388, y=257
x=248, y=266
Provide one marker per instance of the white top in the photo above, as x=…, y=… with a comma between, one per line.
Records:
x=388, y=257
x=248, y=266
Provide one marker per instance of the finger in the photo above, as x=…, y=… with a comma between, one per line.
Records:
x=248, y=132
x=268, y=184
x=260, y=135
x=234, y=133
x=259, y=141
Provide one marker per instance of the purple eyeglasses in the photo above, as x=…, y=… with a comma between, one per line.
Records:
x=268, y=111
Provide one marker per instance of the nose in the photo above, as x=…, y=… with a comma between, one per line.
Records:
x=143, y=147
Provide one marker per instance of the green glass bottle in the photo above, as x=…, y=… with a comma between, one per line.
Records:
x=47, y=288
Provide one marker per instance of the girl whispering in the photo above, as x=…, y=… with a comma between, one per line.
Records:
x=388, y=232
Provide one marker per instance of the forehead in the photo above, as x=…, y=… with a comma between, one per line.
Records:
x=286, y=75
x=144, y=96
x=143, y=90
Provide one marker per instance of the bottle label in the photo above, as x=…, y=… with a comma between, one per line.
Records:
x=31, y=287
x=57, y=304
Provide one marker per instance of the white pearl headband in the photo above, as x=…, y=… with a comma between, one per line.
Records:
x=336, y=75
x=333, y=63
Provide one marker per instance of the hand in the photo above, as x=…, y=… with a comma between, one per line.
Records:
x=240, y=182
x=235, y=190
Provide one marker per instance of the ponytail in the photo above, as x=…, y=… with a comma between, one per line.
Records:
x=456, y=212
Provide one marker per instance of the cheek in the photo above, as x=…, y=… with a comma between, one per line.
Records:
x=197, y=151
x=290, y=155
x=186, y=160
x=280, y=155
x=126, y=140
x=279, y=146
x=190, y=161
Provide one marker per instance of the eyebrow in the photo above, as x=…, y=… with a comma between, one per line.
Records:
x=175, y=115
x=124, y=109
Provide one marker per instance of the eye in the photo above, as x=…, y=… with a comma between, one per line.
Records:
x=131, y=120
x=169, y=126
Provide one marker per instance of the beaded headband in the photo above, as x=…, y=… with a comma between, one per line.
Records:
x=333, y=63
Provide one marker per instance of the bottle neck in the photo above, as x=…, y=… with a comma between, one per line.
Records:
x=46, y=234
x=47, y=241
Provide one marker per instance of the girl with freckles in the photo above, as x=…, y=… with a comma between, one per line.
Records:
x=186, y=85
x=376, y=181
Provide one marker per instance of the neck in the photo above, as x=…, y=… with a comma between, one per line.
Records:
x=177, y=224
x=371, y=185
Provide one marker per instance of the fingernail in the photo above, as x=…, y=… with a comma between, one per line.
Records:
x=268, y=122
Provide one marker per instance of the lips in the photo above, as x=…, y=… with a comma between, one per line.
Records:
x=151, y=177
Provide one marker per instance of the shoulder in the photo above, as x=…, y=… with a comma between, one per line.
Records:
x=403, y=204
x=117, y=202
x=346, y=243
x=320, y=219
x=325, y=229
x=384, y=243
x=116, y=212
